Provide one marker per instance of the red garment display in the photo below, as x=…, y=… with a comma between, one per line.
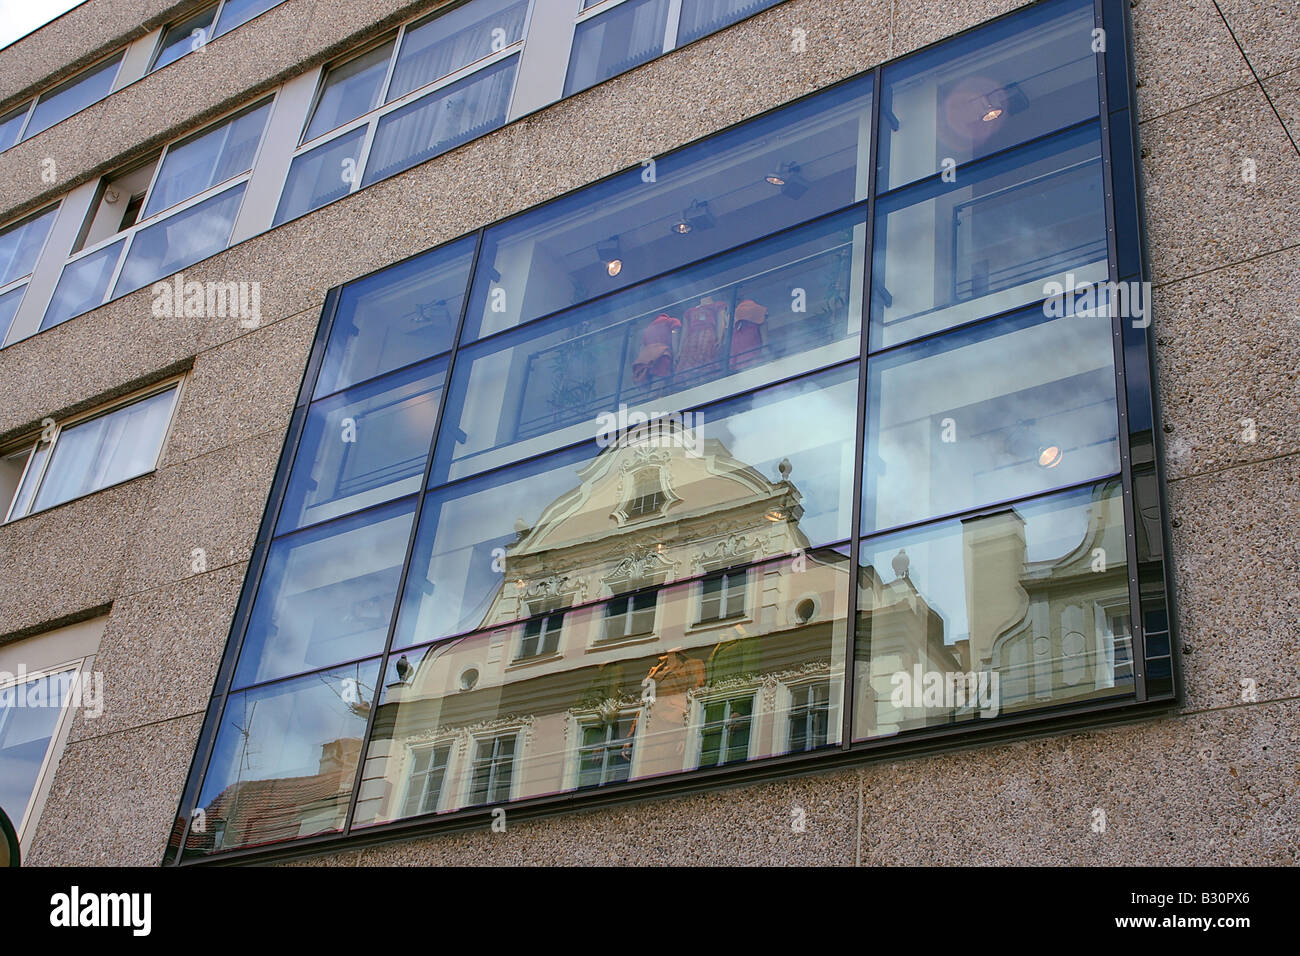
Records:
x=703, y=333
x=655, y=359
x=747, y=334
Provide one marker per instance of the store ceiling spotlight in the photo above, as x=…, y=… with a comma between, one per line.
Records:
x=610, y=253
x=1049, y=456
x=791, y=181
x=695, y=216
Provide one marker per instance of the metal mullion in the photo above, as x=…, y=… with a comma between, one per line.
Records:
x=327, y=137
x=1137, y=624
x=31, y=453
x=205, y=746
x=117, y=270
x=421, y=495
x=848, y=683
x=27, y=118
x=363, y=157
x=392, y=66
x=671, y=25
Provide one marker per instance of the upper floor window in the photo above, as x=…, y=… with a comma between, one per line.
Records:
x=88, y=453
x=188, y=35
x=492, y=769
x=613, y=37
x=631, y=615
x=723, y=595
x=541, y=636
x=20, y=246
x=157, y=218
x=58, y=103
x=446, y=78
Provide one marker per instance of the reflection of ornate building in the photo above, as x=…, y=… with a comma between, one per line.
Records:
x=665, y=614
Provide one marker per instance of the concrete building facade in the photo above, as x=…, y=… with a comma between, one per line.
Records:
x=139, y=578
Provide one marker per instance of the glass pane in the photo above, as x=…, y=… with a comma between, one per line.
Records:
x=613, y=42
x=237, y=12
x=23, y=497
x=947, y=253
x=778, y=461
x=184, y=37
x=364, y=446
x=350, y=89
x=443, y=43
x=768, y=311
x=999, y=411
x=320, y=176
x=699, y=18
x=326, y=594
x=75, y=95
x=21, y=243
x=208, y=158
x=1024, y=607
x=106, y=450
x=285, y=760
x=82, y=285
x=441, y=121
x=402, y=314
x=600, y=712
x=9, y=303
x=997, y=86
x=29, y=714
x=180, y=240
x=10, y=124
x=765, y=176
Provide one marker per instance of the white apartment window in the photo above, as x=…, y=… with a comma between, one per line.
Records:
x=186, y=36
x=724, y=730
x=428, y=774
x=88, y=453
x=541, y=636
x=58, y=103
x=185, y=213
x=630, y=615
x=445, y=79
x=492, y=769
x=44, y=680
x=21, y=243
x=722, y=595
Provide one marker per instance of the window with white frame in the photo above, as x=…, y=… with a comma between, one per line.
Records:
x=44, y=681
x=492, y=769
x=59, y=102
x=157, y=219
x=722, y=595
x=21, y=243
x=725, y=725
x=88, y=453
x=613, y=36
x=187, y=35
x=541, y=636
x=428, y=774
x=443, y=80
x=809, y=718
x=605, y=750
x=630, y=615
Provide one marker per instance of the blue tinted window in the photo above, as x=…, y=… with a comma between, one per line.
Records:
x=75, y=95
x=9, y=303
x=350, y=89
x=769, y=310
x=397, y=316
x=238, y=12
x=701, y=17
x=10, y=124
x=83, y=285
x=320, y=176
x=441, y=121
x=21, y=243
x=950, y=252
x=326, y=594
x=445, y=42
x=207, y=158
x=364, y=446
x=989, y=89
x=184, y=37
x=759, y=178
x=613, y=42
x=994, y=412
x=179, y=240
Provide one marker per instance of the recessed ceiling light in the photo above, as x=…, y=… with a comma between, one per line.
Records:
x=1049, y=456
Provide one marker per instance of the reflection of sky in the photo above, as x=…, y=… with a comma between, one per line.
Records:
x=286, y=726
x=1053, y=529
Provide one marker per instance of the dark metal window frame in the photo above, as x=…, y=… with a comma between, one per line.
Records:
x=1156, y=668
